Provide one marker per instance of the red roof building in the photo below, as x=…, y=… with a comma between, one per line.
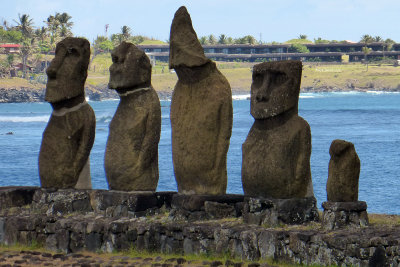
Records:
x=10, y=48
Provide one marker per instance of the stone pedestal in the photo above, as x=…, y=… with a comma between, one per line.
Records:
x=344, y=214
x=272, y=212
x=203, y=207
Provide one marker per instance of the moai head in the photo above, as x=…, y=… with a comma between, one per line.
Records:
x=67, y=72
x=275, y=88
x=185, y=49
x=131, y=68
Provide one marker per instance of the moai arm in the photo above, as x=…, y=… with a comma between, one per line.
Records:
x=149, y=147
x=224, y=131
x=303, y=172
x=86, y=140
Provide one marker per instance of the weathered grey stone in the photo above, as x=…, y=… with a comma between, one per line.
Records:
x=217, y=210
x=276, y=153
x=16, y=196
x=272, y=212
x=344, y=172
x=131, y=158
x=69, y=135
x=197, y=202
x=1, y=230
x=201, y=114
x=338, y=215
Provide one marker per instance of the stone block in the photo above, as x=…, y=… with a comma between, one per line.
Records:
x=196, y=202
x=271, y=212
x=344, y=214
x=16, y=196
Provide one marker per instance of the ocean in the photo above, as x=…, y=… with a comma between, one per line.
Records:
x=370, y=120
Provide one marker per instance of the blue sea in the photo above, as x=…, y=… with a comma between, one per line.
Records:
x=370, y=120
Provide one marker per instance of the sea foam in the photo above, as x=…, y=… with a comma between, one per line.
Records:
x=24, y=119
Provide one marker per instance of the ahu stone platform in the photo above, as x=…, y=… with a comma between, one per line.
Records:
x=101, y=220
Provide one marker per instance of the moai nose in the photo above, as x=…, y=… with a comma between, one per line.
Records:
x=263, y=92
x=51, y=72
x=262, y=96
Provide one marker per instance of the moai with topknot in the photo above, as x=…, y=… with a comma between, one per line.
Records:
x=70, y=132
x=277, y=150
x=201, y=113
x=131, y=157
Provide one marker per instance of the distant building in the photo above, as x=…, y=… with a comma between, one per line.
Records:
x=10, y=48
x=330, y=52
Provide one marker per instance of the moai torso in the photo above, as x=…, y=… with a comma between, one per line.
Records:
x=131, y=158
x=277, y=150
x=69, y=135
x=201, y=114
x=344, y=172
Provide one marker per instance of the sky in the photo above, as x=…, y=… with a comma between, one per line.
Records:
x=268, y=20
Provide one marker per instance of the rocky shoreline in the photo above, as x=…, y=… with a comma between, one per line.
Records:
x=22, y=95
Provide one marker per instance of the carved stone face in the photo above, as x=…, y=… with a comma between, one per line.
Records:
x=68, y=70
x=275, y=88
x=131, y=68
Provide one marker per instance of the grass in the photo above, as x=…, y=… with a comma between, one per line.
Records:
x=384, y=219
x=348, y=77
x=189, y=260
x=317, y=76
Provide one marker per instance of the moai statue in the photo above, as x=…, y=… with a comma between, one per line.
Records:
x=201, y=113
x=276, y=153
x=131, y=158
x=343, y=208
x=69, y=135
x=344, y=172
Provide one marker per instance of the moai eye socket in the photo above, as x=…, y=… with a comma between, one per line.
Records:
x=257, y=79
x=114, y=59
x=72, y=51
x=278, y=78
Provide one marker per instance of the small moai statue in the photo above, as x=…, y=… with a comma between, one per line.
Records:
x=70, y=132
x=343, y=208
x=344, y=172
x=131, y=157
x=277, y=150
x=201, y=113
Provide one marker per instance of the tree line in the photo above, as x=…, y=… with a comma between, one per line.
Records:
x=39, y=41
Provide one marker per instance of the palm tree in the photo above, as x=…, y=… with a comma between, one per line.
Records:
x=302, y=36
x=377, y=39
x=222, y=39
x=52, y=26
x=366, y=39
x=126, y=32
x=41, y=33
x=203, y=40
x=388, y=43
x=211, y=39
x=24, y=25
x=65, y=24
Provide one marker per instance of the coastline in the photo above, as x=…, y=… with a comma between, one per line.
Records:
x=26, y=94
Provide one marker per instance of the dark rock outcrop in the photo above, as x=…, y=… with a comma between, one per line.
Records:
x=14, y=95
x=201, y=114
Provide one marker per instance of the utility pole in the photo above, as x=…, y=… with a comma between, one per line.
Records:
x=106, y=28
